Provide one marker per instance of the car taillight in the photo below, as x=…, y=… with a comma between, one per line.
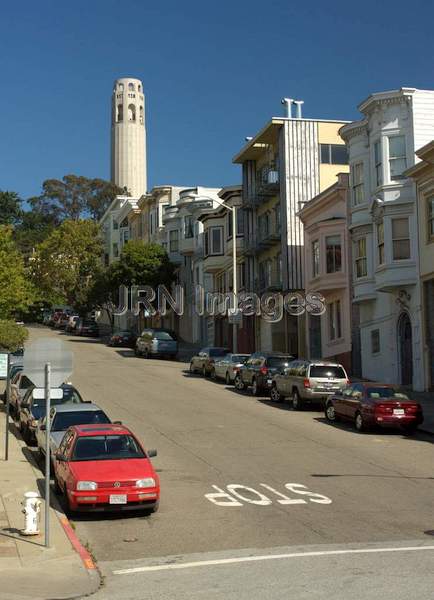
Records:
x=412, y=408
x=263, y=370
x=306, y=383
x=384, y=408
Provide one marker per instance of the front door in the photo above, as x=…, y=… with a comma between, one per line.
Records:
x=406, y=349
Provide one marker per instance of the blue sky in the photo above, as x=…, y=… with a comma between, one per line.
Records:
x=213, y=73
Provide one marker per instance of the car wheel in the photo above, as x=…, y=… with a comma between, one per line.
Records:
x=297, y=402
x=66, y=501
x=359, y=423
x=275, y=394
x=330, y=413
x=255, y=387
x=227, y=379
x=191, y=369
x=239, y=384
x=213, y=374
x=204, y=373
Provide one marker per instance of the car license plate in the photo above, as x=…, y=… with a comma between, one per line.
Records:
x=398, y=411
x=118, y=499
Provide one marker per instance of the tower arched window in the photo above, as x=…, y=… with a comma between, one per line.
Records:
x=131, y=112
x=131, y=86
x=121, y=87
x=141, y=114
x=120, y=115
x=139, y=87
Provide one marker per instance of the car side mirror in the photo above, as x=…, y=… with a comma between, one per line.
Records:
x=152, y=453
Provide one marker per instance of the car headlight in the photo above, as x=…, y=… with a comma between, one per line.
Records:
x=86, y=485
x=148, y=482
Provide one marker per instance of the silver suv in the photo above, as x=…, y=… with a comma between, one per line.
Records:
x=308, y=381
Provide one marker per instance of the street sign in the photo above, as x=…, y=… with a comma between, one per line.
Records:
x=3, y=365
x=55, y=393
x=47, y=351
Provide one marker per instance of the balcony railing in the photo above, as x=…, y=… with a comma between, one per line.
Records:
x=267, y=183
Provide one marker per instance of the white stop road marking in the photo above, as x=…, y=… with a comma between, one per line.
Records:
x=237, y=494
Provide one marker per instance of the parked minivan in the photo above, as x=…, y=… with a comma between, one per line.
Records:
x=155, y=342
x=308, y=381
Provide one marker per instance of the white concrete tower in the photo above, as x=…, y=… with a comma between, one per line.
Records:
x=128, y=137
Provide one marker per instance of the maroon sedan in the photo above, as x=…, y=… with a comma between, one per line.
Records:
x=370, y=404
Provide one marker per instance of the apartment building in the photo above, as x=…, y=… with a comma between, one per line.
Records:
x=327, y=270
x=384, y=229
x=183, y=239
x=290, y=161
x=115, y=226
x=422, y=174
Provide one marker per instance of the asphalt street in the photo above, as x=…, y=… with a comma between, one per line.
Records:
x=319, y=511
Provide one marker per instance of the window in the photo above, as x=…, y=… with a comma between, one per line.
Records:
x=188, y=227
x=378, y=163
x=115, y=250
x=380, y=243
x=397, y=156
x=131, y=86
x=279, y=267
x=141, y=114
x=120, y=115
x=375, y=341
x=264, y=226
x=121, y=87
x=333, y=253
x=360, y=258
x=173, y=240
x=240, y=223
x=315, y=258
x=334, y=154
x=400, y=239
x=131, y=112
x=430, y=219
x=335, y=320
x=216, y=240
x=357, y=177
x=277, y=219
x=115, y=225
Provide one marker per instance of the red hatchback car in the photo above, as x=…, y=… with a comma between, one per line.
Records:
x=371, y=404
x=104, y=467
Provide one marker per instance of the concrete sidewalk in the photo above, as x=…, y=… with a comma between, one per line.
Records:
x=28, y=570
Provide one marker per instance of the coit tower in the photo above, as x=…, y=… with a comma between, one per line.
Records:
x=128, y=136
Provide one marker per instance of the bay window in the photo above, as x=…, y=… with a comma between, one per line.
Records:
x=334, y=312
x=357, y=183
x=360, y=258
x=333, y=253
x=430, y=219
x=380, y=243
x=400, y=239
x=378, y=162
x=397, y=156
x=315, y=258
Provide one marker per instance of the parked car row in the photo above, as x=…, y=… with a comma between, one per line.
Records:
x=97, y=464
x=68, y=321
x=311, y=382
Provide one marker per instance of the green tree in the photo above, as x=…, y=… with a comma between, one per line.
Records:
x=139, y=264
x=12, y=336
x=66, y=263
x=32, y=229
x=16, y=293
x=10, y=208
x=75, y=197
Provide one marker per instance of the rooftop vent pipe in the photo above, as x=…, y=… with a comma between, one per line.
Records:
x=298, y=104
x=287, y=102
x=248, y=138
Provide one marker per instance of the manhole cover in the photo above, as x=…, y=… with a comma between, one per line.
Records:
x=130, y=539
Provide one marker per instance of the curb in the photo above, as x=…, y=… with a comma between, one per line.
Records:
x=76, y=544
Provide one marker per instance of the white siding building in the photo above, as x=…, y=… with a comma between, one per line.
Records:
x=383, y=223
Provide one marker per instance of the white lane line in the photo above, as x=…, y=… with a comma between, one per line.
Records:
x=243, y=559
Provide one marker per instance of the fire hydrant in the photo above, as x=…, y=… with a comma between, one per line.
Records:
x=31, y=509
